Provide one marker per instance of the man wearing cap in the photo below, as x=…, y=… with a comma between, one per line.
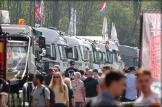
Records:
x=69, y=72
x=130, y=93
x=95, y=75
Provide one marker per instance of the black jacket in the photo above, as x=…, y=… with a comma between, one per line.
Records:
x=5, y=86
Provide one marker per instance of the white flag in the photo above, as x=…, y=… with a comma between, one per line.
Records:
x=72, y=24
x=42, y=8
x=104, y=29
x=114, y=34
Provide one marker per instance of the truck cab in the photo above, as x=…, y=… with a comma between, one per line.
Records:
x=97, y=52
x=55, y=49
x=77, y=52
x=113, y=53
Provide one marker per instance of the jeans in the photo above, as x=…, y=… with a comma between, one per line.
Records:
x=78, y=104
x=59, y=105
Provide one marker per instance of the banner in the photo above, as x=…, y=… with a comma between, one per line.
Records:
x=151, y=44
x=72, y=24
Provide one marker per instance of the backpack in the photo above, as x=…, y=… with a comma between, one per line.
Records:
x=52, y=95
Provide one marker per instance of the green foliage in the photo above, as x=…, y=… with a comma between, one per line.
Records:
x=125, y=15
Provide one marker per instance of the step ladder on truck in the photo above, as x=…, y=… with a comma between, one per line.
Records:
x=17, y=64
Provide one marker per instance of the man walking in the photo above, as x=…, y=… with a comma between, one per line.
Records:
x=91, y=86
x=40, y=99
x=130, y=93
x=70, y=71
x=114, y=86
x=144, y=81
x=48, y=77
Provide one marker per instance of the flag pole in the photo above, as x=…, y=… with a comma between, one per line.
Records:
x=34, y=13
x=42, y=22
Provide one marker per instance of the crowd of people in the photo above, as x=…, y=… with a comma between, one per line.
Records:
x=94, y=88
x=107, y=87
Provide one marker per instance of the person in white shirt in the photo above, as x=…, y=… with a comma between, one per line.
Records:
x=148, y=98
x=131, y=88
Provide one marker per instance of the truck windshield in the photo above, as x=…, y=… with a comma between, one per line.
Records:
x=62, y=51
x=109, y=56
x=115, y=55
x=84, y=52
x=16, y=57
x=97, y=56
x=136, y=62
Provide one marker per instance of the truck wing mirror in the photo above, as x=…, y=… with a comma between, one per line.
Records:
x=42, y=42
x=53, y=51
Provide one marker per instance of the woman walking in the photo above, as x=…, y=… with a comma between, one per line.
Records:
x=67, y=81
x=60, y=89
x=78, y=87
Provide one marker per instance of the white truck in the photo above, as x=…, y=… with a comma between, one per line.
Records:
x=77, y=51
x=17, y=55
x=108, y=53
x=55, y=49
x=129, y=55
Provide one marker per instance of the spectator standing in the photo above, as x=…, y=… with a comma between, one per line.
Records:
x=40, y=99
x=58, y=67
x=55, y=69
x=114, y=86
x=43, y=73
x=48, y=77
x=102, y=83
x=91, y=86
x=99, y=73
x=60, y=89
x=95, y=75
x=130, y=93
x=125, y=70
x=4, y=86
x=70, y=71
x=144, y=81
x=78, y=88
x=67, y=81
x=3, y=99
x=106, y=69
x=86, y=70
x=83, y=77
